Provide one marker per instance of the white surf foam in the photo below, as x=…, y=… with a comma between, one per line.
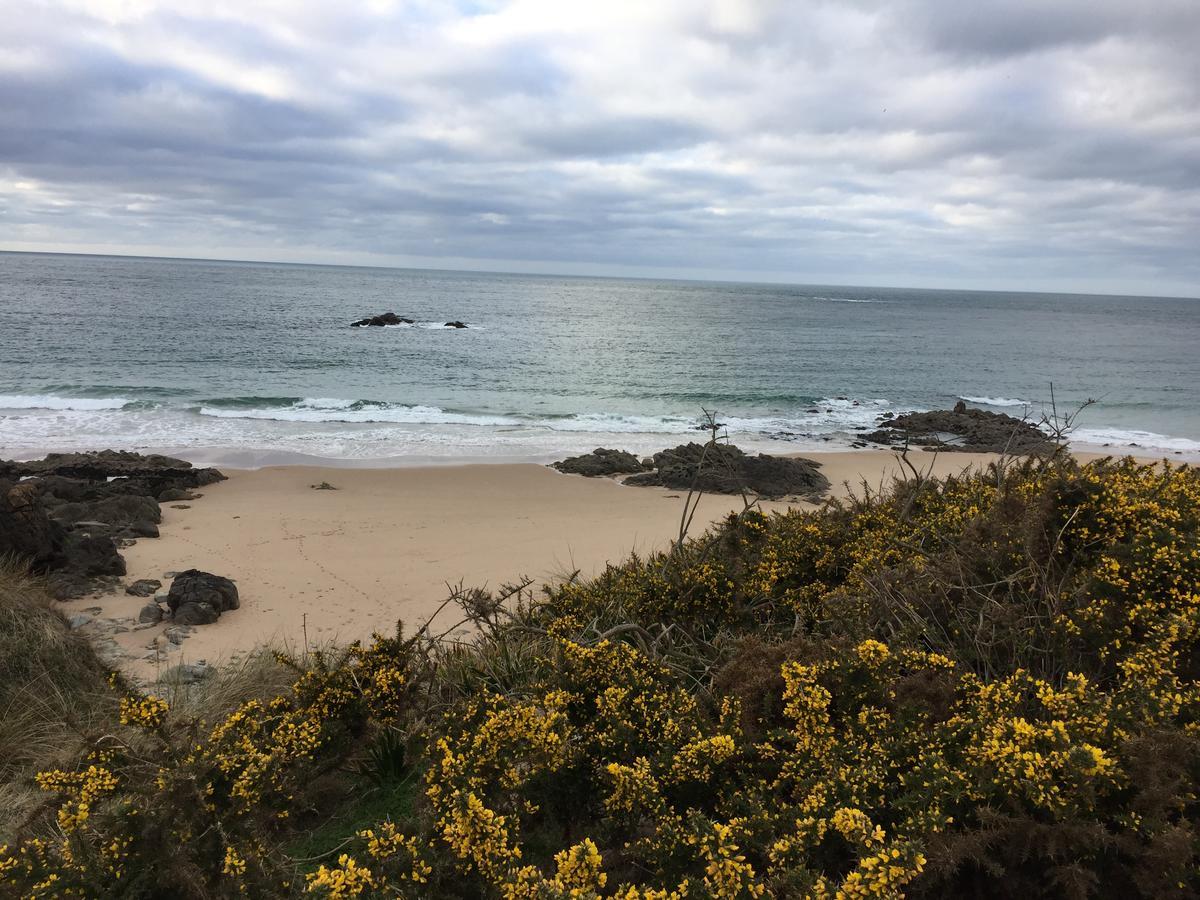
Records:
x=996, y=401
x=317, y=410
x=1124, y=439
x=52, y=402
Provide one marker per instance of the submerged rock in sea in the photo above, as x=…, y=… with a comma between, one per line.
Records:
x=965, y=430
x=726, y=469
x=379, y=321
x=456, y=325
x=600, y=462
x=199, y=598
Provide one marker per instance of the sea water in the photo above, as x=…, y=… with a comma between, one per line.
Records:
x=254, y=362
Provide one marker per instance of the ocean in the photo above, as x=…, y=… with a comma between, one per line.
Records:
x=251, y=363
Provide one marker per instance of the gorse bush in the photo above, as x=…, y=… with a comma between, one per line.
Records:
x=982, y=686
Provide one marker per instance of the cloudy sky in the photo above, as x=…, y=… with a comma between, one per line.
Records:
x=1032, y=144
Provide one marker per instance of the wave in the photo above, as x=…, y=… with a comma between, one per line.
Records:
x=1125, y=438
x=54, y=402
x=317, y=410
x=845, y=299
x=996, y=401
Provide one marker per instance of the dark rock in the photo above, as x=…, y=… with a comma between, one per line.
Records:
x=92, y=554
x=199, y=598
x=142, y=529
x=456, y=325
x=26, y=530
x=78, y=620
x=150, y=614
x=122, y=510
x=960, y=407
x=600, y=462
x=725, y=469
x=387, y=318
x=196, y=614
x=144, y=587
x=969, y=430
x=171, y=495
x=154, y=470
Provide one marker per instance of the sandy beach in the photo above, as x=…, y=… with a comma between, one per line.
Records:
x=335, y=565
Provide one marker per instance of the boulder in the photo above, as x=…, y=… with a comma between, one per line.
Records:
x=144, y=587
x=600, y=462
x=725, y=469
x=387, y=318
x=26, y=530
x=150, y=614
x=199, y=598
x=456, y=325
x=92, y=554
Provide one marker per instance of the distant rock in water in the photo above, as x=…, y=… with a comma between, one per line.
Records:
x=725, y=469
x=600, y=462
x=964, y=430
x=456, y=325
x=387, y=318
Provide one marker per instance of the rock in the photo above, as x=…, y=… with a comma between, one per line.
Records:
x=26, y=530
x=968, y=430
x=181, y=506
x=960, y=407
x=456, y=325
x=387, y=318
x=122, y=510
x=176, y=634
x=144, y=587
x=78, y=620
x=199, y=598
x=725, y=469
x=601, y=462
x=197, y=614
x=143, y=529
x=150, y=614
x=197, y=671
x=170, y=495
x=149, y=473
x=92, y=554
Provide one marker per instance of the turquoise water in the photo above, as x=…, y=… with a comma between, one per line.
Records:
x=242, y=361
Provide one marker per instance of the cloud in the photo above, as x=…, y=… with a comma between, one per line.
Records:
x=998, y=144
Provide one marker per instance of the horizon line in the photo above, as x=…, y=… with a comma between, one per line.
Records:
x=552, y=274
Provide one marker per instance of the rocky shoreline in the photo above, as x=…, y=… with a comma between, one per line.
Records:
x=70, y=514
x=713, y=469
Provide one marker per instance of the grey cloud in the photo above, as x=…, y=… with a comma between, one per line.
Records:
x=1029, y=143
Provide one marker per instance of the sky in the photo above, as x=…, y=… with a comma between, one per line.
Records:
x=1007, y=144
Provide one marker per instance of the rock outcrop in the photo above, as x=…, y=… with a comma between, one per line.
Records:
x=600, y=462
x=199, y=598
x=964, y=430
x=67, y=514
x=456, y=325
x=379, y=321
x=725, y=469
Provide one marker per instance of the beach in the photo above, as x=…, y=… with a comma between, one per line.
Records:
x=387, y=545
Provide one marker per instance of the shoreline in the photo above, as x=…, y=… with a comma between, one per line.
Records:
x=257, y=459
x=387, y=544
